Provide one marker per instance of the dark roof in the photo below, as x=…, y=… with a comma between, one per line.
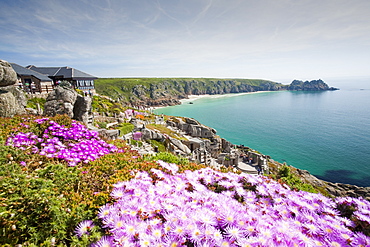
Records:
x=65, y=72
x=22, y=71
x=49, y=71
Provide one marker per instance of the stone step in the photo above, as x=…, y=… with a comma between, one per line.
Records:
x=247, y=168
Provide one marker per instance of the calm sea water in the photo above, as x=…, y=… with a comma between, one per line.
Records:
x=326, y=133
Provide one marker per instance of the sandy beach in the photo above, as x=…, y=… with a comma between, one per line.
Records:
x=192, y=98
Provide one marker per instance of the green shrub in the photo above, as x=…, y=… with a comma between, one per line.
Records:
x=80, y=92
x=41, y=200
x=65, y=84
x=32, y=103
x=285, y=175
x=125, y=128
x=102, y=104
x=136, y=143
x=32, y=210
x=170, y=158
x=161, y=147
x=102, y=125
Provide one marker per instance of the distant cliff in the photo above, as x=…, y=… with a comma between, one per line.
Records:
x=168, y=91
x=314, y=85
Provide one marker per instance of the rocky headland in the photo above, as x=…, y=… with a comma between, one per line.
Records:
x=159, y=92
x=314, y=85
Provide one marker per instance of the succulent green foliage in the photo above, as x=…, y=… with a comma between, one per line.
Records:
x=287, y=176
x=159, y=145
x=106, y=105
x=125, y=128
x=170, y=158
x=32, y=103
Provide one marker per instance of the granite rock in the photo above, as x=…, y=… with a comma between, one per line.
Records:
x=82, y=110
x=64, y=100
x=7, y=74
x=9, y=105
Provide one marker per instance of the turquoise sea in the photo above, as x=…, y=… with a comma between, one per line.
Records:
x=326, y=133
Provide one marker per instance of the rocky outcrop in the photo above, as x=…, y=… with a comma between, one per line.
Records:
x=336, y=189
x=9, y=105
x=198, y=139
x=12, y=100
x=149, y=134
x=161, y=102
x=333, y=189
x=65, y=100
x=19, y=95
x=192, y=127
x=315, y=85
x=60, y=101
x=7, y=74
x=178, y=146
x=109, y=134
x=82, y=109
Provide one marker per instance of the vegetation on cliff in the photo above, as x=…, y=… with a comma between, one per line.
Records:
x=154, y=90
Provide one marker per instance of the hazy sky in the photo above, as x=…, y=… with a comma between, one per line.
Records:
x=280, y=40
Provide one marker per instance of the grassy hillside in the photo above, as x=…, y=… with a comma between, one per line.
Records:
x=131, y=89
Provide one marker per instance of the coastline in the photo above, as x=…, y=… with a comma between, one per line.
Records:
x=322, y=167
x=194, y=97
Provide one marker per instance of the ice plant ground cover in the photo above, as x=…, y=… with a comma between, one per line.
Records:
x=43, y=201
x=210, y=208
x=74, y=144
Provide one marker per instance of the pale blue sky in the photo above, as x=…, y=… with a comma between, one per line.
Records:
x=279, y=40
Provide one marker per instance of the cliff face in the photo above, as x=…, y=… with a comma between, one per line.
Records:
x=314, y=85
x=167, y=91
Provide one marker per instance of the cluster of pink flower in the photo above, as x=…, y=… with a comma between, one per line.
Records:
x=75, y=144
x=210, y=208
